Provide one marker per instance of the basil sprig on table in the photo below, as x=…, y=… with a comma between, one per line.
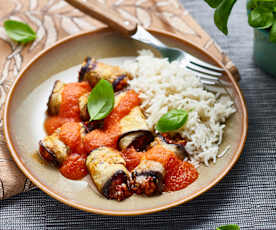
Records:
x=100, y=100
x=222, y=12
x=19, y=31
x=228, y=227
x=172, y=120
x=262, y=14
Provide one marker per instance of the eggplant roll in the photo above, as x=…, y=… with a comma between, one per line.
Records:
x=53, y=150
x=55, y=101
x=92, y=71
x=55, y=98
x=134, y=130
x=147, y=178
x=107, y=169
x=176, y=146
x=83, y=100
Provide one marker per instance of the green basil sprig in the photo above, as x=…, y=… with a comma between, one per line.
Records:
x=172, y=120
x=100, y=100
x=19, y=31
x=262, y=14
x=272, y=34
x=222, y=12
x=228, y=227
x=260, y=19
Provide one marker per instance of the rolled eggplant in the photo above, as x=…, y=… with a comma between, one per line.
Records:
x=55, y=101
x=134, y=131
x=55, y=98
x=92, y=71
x=107, y=169
x=53, y=150
x=175, y=144
x=83, y=100
x=147, y=178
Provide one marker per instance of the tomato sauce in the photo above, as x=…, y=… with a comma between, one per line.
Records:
x=74, y=167
x=179, y=175
x=110, y=133
x=160, y=154
x=70, y=135
x=54, y=122
x=132, y=158
x=70, y=99
x=69, y=108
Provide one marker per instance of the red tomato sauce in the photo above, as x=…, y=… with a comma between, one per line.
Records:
x=132, y=158
x=70, y=99
x=179, y=175
x=70, y=135
x=109, y=135
x=53, y=122
x=69, y=108
x=74, y=167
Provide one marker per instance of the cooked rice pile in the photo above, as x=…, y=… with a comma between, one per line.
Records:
x=164, y=86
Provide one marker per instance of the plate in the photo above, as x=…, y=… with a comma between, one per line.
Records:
x=25, y=113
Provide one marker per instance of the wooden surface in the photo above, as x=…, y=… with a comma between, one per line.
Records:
x=54, y=20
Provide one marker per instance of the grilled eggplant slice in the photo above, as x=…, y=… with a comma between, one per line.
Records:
x=107, y=169
x=134, y=131
x=55, y=98
x=147, y=178
x=177, y=146
x=92, y=71
x=139, y=139
x=83, y=100
x=53, y=150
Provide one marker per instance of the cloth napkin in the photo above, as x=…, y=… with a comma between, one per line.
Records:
x=55, y=19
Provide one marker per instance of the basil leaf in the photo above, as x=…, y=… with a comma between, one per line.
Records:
x=222, y=14
x=19, y=31
x=272, y=33
x=251, y=4
x=265, y=5
x=213, y=3
x=100, y=100
x=260, y=19
x=229, y=227
x=172, y=120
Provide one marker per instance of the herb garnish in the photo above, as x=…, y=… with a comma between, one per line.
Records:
x=100, y=100
x=228, y=227
x=19, y=31
x=172, y=120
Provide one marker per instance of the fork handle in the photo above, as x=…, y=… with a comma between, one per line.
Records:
x=105, y=14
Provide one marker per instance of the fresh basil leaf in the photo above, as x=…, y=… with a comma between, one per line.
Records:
x=266, y=5
x=222, y=14
x=229, y=227
x=213, y=3
x=19, y=31
x=172, y=120
x=272, y=33
x=100, y=100
x=260, y=19
x=251, y=4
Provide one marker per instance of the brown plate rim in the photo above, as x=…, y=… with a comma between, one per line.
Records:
x=24, y=169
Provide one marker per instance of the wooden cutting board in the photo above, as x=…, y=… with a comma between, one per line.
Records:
x=55, y=19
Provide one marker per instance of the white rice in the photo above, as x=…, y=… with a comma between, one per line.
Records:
x=164, y=86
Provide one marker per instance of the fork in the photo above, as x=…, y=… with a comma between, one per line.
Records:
x=208, y=74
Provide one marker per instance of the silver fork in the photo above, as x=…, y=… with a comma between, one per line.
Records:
x=208, y=74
